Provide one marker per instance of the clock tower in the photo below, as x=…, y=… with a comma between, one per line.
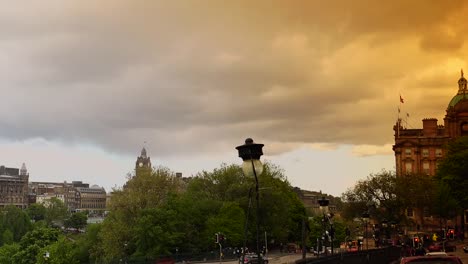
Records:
x=143, y=161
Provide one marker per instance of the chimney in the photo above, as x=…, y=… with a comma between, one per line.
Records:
x=430, y=127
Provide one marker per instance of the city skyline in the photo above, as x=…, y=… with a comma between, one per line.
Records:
x=86, y=84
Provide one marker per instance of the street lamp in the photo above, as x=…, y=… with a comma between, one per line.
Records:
x=327, y=218
x=250, y=153
x=365, y=217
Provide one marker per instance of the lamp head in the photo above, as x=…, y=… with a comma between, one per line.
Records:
x=323, y=204
x=250, y=153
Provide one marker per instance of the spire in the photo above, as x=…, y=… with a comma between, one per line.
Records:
x=462, y=83
x=143, y=153
x=23, y=170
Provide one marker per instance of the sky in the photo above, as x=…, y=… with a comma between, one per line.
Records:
x=86, y=84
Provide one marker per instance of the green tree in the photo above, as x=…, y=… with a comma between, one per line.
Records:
x=60, y=252
x=453, y=170
x=76, y=220
x=32, y=244
x=7, y=237
x=84, y=250
x=36, y=211
x=7, y=252
x=17, y=221
x=56, y=212
x=377, y=194
x=148, y=189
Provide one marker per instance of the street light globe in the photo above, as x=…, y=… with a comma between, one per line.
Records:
x=249, y=171
x=250, y=153
x=323, y=204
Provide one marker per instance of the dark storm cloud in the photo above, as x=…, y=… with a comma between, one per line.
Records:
x=181, y=74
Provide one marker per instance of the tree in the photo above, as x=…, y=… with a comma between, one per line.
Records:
x=148, y=189
x=56, y=212
x=416, y=191
x=36, y=211
x=60, y=252
x=453, y=170
x=386, y=196
x=17, y=221
x=377, y=194
x=31, y=245
x=84, y=250
x=7, y=252
x=76, y=220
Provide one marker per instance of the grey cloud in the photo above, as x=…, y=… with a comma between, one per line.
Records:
x=119, y=74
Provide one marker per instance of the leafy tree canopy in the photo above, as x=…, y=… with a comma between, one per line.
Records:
x=453, y=170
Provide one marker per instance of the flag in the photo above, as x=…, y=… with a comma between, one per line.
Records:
x=401, y=99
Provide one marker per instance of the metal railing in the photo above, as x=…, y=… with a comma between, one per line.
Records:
x=373, y=256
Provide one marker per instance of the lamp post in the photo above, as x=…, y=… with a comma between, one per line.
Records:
x=250, y=153
x=327, y=218
x=365, y=217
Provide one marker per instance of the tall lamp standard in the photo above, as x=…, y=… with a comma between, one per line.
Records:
x=250, y=153
x=365, y=217
x=327, y=218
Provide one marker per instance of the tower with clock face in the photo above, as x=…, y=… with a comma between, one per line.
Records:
x=143, y=161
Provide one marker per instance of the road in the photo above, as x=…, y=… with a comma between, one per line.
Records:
x=291, y=258
x=273, y=259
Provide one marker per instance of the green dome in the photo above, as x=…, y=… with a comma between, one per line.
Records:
x=462, y=90
x=457, y=98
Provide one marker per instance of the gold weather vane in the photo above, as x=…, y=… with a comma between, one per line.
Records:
x=462, y=72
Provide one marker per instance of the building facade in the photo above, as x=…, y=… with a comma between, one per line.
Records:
x=92, y=199
x=77, y=196
x=419, y=151
x=14, y=186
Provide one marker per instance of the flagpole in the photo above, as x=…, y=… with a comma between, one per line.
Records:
x=399, y=119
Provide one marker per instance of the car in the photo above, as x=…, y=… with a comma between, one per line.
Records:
x=438, y=247
x=431, y=260
x=252, y=258
x=435, y=247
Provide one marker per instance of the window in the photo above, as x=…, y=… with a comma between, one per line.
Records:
x=438, y=152
x=408, y=167
x=425, y=153
x=408, y=151
x=409, y=212
x=426, y=168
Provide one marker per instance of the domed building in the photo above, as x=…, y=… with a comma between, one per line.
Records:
x=418, y=151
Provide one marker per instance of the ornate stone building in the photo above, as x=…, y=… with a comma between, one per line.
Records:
x=420, y=150
x=77, y=196
x=92, y=199
x=14, y=186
